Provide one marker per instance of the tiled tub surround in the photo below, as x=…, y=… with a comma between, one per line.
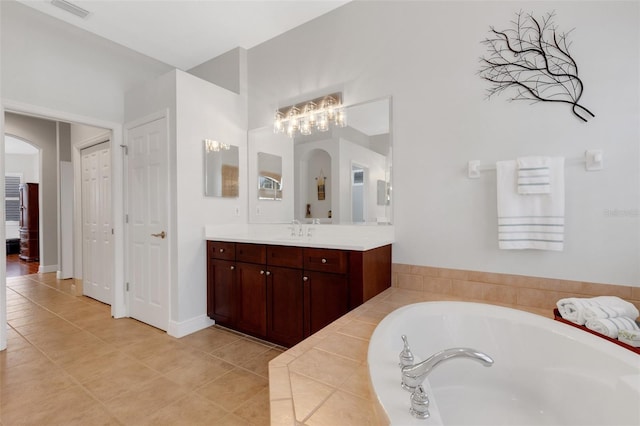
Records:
x=324, y=379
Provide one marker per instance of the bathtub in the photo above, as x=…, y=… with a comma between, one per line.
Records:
x=544, y=372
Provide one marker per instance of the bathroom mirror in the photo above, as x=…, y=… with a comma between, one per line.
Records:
x=335, y=174
x=221, y=169
x=269, y=176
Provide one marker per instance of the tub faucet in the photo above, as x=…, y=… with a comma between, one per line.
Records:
x=414, y=375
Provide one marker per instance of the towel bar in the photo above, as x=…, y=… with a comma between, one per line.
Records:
x=592, y=160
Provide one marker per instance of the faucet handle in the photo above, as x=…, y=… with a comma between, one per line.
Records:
x=419, y=403
x=406, y=356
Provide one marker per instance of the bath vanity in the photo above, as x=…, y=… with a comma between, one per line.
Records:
x=284, y=291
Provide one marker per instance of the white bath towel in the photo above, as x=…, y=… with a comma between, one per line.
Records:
x=534, y=175
x=579, y=310
x=534, y=221
x=611, y=326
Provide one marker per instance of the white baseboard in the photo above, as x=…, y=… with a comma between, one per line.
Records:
x=184, y=328
x=43, y=269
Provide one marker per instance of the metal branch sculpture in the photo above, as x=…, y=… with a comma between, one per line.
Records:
x=534, y=60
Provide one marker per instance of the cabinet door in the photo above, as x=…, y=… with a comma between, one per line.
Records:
x=326, y=298
x=221, y=279
x=285, y=306
x=251, y=314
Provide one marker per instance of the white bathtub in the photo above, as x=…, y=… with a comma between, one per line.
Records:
x=544, y=373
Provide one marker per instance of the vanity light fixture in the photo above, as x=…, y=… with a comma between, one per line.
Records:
x=305, y=117
x=215, y=146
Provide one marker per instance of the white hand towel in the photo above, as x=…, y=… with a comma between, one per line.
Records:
x=531, y=222
x=534, y=175
x=579, y=310
x=611, y=326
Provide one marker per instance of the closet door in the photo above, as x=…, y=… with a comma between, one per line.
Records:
x=97, y=237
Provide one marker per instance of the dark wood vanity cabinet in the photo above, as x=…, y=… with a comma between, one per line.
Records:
x=282, y=293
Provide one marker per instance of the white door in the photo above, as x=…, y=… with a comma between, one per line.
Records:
x=148, y=206
x=97, y=237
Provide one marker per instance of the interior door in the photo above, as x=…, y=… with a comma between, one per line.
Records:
x=97, y=237
x=148, y=206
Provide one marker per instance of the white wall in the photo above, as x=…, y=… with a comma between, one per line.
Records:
x=425, y=54
x=197, y=110
x=204, y=111
x=52, y=64
x=26, y=164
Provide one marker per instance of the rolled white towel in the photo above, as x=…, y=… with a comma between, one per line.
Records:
x=630, y=337
x=579, y=310
x=611, y=326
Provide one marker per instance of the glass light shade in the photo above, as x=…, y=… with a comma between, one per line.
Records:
x=278, y=124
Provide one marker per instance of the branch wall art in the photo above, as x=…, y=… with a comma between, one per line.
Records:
x=532, y=61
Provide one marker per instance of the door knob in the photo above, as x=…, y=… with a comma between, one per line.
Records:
x=160, y=235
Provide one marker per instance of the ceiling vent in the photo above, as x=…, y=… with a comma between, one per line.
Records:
x=71, y=8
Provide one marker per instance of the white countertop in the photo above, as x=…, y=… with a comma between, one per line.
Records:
x=342, y=237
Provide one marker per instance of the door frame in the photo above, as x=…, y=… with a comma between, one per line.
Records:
x=118, y=307
x=158, y=115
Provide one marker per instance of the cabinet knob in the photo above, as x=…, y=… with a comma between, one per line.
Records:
x=232, y=267
x=261, y=272
x=305, y=279
x=324, y=260
x=268, y=273
x=221, y=250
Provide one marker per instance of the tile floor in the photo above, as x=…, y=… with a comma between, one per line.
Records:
x=69, y=363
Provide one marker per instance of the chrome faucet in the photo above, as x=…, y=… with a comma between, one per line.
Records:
x=414, y=375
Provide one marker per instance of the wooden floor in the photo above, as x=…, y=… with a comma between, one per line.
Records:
x=17, y=267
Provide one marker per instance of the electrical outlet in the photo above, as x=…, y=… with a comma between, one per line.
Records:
x=258, y=211
x=237, y=211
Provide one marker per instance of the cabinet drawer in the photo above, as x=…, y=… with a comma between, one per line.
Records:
x=221, y=250
x=326, y=260
x=289, y=257
x=251, y=253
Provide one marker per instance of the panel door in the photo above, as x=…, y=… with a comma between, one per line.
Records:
x=97, y=239
x=148, y=207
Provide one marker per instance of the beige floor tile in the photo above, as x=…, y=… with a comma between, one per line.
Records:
x=191, y=410
x=308, y=394
x=137, y=405
x=28, y=390
x=260, y=363
x=233, y=420
x=344, y=409
x=256, y=410
x=199, y=370
x=166, y=361
x=110, y=384
x=50, y=410
x=240, y=351
x=324, y=367
x=70, y=363
x=233, y=389
x=346, y=346
x=210, y=339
